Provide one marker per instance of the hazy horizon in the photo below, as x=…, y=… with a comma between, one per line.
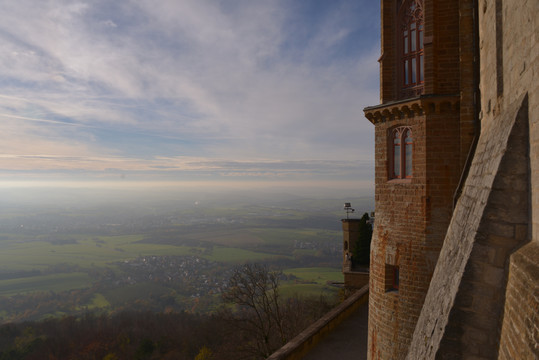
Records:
x=58, y=193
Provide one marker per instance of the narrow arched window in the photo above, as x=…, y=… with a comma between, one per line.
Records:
x=401, y=154
x=410, y=35
x=408, y=145
x=397, y=154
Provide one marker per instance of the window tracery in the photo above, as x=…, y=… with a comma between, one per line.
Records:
x=401, y=154
x=410, y=39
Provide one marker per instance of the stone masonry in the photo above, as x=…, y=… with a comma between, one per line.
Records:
x=481, y=77
x=483, y=301
x=462, y=311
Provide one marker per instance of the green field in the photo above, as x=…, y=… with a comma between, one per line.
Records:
x=312, y=282
x=317, y=275
x=87, y=251
x=91, y=263
x=52, y=282
x=103, y=250
x=157, y=255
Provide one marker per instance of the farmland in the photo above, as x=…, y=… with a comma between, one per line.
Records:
x=58, y=260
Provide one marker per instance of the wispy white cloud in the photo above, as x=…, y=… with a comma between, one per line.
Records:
x=90, y=84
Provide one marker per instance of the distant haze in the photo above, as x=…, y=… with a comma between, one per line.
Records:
x=90, y=194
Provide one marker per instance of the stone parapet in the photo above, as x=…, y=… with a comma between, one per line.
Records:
x=298, y=347
x=355, y=279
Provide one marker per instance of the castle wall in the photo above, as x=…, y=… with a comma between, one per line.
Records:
x=509, y=46
x=517, y=68
x=483, y=301
x=413, y=214
x=442, y=48
x=443, y=17
x=520, y=335
x=388, y=67
x=400, y=227
x=350, y=232
x=412, y=218
x=462, y=313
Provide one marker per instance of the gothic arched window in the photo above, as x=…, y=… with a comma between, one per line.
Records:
x=401, y=154
x=410, y=40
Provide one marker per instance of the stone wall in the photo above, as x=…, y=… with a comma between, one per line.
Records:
x=509, y=50
x=520, y=332
x=354, y=280
x=464, y=306
x=510, y=34
x=298, y=347
x=350, y=233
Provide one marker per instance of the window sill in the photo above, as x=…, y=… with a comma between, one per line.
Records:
x=400, y=181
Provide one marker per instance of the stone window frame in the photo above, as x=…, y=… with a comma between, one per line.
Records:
x=405, y=159
x=410, y=30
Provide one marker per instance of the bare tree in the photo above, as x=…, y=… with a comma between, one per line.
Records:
x=255, y=291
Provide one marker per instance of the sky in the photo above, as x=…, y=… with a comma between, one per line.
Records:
x=187, y=92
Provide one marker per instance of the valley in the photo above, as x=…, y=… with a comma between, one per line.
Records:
x=68, y=260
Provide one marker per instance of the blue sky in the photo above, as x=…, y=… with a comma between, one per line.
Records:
x=231, y=92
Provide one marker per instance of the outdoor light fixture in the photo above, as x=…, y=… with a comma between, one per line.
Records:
x=348, y=209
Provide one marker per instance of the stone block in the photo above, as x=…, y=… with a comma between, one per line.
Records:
x=521, y=231
x=494, y=276
x=501, y=229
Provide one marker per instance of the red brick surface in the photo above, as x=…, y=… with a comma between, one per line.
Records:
x=412, y=215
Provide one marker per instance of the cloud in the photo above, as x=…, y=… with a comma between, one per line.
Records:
x=179, y=168
x=144, y=83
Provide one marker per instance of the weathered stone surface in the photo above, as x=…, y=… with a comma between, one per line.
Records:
x=520, y=330
x=465, y=268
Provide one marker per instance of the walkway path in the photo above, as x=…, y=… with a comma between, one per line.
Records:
x=347, y=341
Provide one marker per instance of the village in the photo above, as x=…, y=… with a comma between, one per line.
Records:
x=191, y=274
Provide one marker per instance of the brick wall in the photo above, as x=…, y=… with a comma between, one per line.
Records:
x=469, y=78
x=442, y=49
x=400, y=206
x=388, y=74
x=412, y=216
x=445, y=48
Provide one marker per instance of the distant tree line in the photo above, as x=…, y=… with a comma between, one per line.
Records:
x=253, y=322
x=126, y=335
